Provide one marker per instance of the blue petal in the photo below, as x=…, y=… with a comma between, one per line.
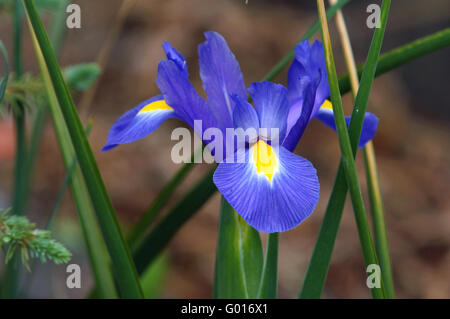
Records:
x=318, y=61
x=300, y=111
x=245, y=123
x=309, y=62
x=136, y=123
x=244, y=114
x=369, y=128
x=274, y=205
x=182, y=97
x=175, y=56
x=221, y=76
x=272, y=106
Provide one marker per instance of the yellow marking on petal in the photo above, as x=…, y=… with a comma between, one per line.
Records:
x=155, y=106
x=265, y=159
x=327, y=105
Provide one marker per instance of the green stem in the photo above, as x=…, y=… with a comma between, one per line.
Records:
x=320, y=260
x=98, y=255
x=321, y=257
x=404, y=54
x=159, y=237
x=37, y=130
x=380, y=235
x=239, y=257
x=379, y=224
x=347, y=152
x=269, y=280
x=139, y=230
x=126, y=275
x=59, y=26
x=19, y=201
x=65, y=184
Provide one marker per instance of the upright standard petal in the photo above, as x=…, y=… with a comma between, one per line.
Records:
x=309, y=63
x=272, y=106
x=139, y=122
x=272, y=189
x=182, y=97
x=300, y=114
x=244, y=114
x=317, y=62
x=175, y=56
x=245, y=118
x=370, y=124
x=221, y=76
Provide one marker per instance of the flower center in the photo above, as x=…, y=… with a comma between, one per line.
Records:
x=154, y=106
x=327, y=105
x=265, y=159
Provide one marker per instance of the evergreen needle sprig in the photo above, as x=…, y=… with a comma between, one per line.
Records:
x=17, y=233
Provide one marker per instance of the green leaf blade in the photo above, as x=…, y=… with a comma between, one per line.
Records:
x=269, y=280
x=126, y=275
x=153, y=244
x=318, y=267
x=239, y=257
x=5, y=77
x=347, y=151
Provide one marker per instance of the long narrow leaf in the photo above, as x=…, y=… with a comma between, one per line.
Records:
x=96, y=247
x=11, y=275
x=140, y=228
x=159, y=237
x=239, y=257
x=404, y=54
x=5, y=77
x=123, y=266
x=269, y=279
x=379, y=224
x=320, y=260
x=65, y=184
x=347, y=152
x=318, y=268
x=376, y=204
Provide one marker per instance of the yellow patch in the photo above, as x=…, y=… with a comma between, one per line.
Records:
x=265, y=159
x=155, y=106
x=327, y=105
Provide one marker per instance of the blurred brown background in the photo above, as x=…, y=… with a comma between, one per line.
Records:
x=412, y=142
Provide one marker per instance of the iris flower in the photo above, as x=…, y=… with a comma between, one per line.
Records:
x=271, y=188
x=310, y=62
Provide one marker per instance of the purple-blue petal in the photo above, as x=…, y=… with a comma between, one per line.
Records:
x=309, y=63
x=299, y=115
x=175, y=56
x=318, y=61
x=221, y=76
x=244, y=114
x=369, y=128
x=132, y=125
x=272, y=106
x=182, y=97
x=270, y=206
